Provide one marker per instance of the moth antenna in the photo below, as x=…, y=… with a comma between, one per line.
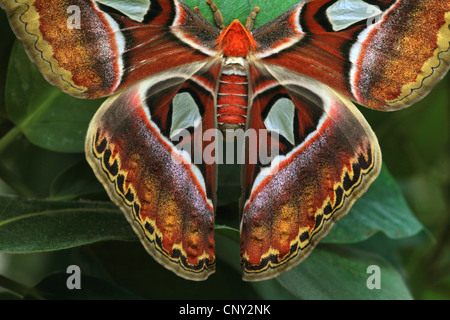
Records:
x=251, y=19
x=216, y=14
x=197, y=9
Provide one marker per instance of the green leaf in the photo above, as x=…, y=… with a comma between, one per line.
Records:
x=30, y=225
x=48, y=117
x=75, y=182
x=34, y=167
x=236, y=9
x=341, y=272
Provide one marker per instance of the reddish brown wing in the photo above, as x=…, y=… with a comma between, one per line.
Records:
x=147, y=166
x=383, y=54
x=108, y=51
x=323, y=157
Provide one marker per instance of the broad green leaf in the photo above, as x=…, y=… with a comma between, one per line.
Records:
x=33, y=167
x=30, y=225
x=48, y=117
x=237, y=9
x=341, y=272
x=76, y=181
x=228, y=232
x=270, y=9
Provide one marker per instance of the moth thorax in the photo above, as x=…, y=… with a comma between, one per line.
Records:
x=232, y=95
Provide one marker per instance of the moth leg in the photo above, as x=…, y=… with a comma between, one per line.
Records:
x=251, y=19
x=216, y=13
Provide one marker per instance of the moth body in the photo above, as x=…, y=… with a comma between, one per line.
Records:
x=232, y=94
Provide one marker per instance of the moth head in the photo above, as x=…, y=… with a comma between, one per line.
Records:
x=236, y=41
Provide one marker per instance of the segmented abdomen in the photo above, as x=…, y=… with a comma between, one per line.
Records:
x=232, y=100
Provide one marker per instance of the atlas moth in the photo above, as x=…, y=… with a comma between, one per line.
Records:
x=169, y=71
